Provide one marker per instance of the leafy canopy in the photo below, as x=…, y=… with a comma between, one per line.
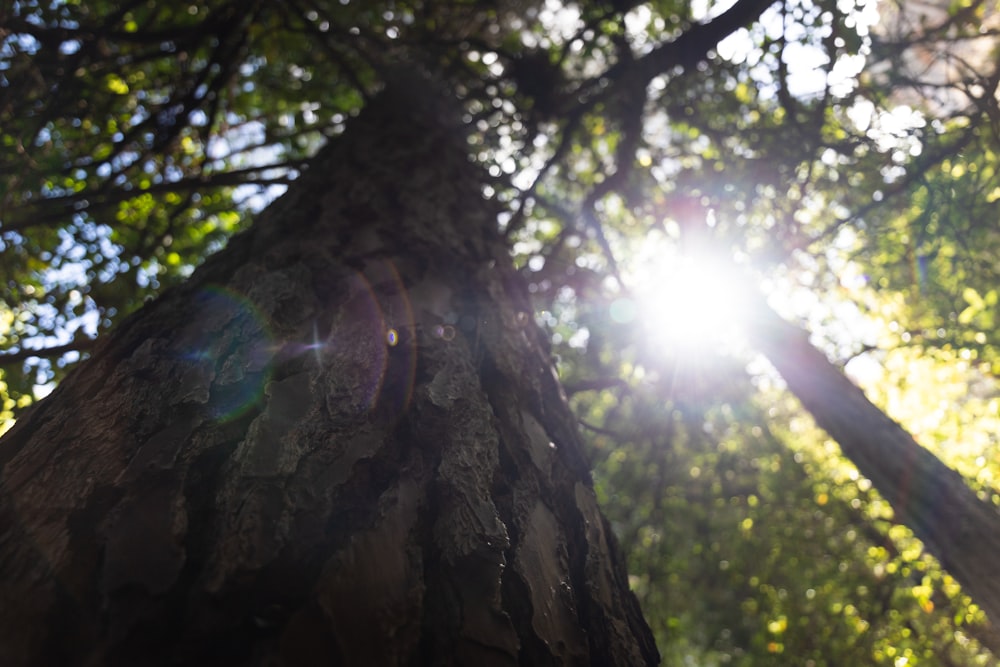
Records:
x=651, y=160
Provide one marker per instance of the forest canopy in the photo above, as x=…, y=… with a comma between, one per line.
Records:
x=668, y=175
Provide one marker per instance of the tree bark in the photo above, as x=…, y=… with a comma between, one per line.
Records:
x=341, y=442
x=934, y=501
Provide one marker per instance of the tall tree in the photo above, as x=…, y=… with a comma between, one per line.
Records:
x=341, y=442
x=959, y=527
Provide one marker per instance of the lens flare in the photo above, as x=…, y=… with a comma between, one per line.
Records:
x=687, y=303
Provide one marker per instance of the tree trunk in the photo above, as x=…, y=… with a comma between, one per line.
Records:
x=341, y=442
x=959, y=529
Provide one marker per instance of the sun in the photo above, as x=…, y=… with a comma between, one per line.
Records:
x=690, y=302
x=686, y=302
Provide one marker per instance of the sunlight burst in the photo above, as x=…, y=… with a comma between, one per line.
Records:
x=687, y=303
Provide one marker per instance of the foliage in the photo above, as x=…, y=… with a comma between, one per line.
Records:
x=847, y=162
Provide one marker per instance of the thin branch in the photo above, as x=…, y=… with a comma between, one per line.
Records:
x=602, y=431
x=690, y=48
x=41, y=213
x=594, y=384
x=78, y=344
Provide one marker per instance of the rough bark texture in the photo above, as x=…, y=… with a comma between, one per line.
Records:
x=959, y=529
x=341, y=442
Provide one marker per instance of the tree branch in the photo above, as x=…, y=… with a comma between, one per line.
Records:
x=78, y=344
